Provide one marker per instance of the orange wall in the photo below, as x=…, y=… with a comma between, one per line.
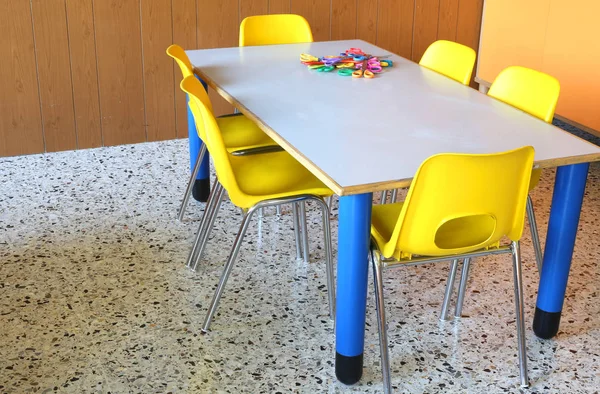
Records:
x=559, y=37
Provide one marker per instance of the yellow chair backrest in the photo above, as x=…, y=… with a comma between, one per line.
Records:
x=274, y=29
x=529, y=90
x=209, y=132
x=451, y=59
x=177, y=53
x=458, y=203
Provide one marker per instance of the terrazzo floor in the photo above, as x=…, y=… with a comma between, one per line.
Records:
x=95, y=298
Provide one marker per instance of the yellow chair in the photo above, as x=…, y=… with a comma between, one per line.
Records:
x=456, y=208
x=240, y=134
x=451, y=59
x=252, y=182
x=274, y=29
x=537, y=94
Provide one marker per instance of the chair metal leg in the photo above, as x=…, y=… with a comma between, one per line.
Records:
x=394, y=195
x=328, y=258
x=329, y=201
x=304, y=226
x=278, y=209
x=520, y=313
x=190, y=185
x=208, y=208
x=297, y=234
x=381, y=322
x=535, y=237
x=226, y=271
x=464, y=277
x=208, y=228
x=449, y=288
x=384, y=196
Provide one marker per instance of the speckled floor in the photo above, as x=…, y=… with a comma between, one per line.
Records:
x=95, y=298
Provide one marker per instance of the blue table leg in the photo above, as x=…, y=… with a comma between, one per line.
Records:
x=560, y=241
x=201, y=188
x=352, y=278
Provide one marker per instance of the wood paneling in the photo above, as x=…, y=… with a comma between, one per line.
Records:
x=120, y=79
x=279, y=6
x=253, y=7
x=469, y=22
x=395, y=26
x=184, y=34
x=366, y=28
x=343, y=19
x=469, y=25
x=54, y=71
x=84, y=73
x=425, y=29
x=96, y=71
x=20, y=117
x=317, y=13
x=157, y=34
x=447, y=20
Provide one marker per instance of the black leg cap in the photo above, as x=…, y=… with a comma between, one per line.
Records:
x=546, y=324
x=348, y=369
x=201, y=190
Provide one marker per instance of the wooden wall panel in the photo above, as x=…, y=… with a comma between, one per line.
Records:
x=54, y=71
x=395, y=26
x=184, y=34
x=101, y=75
x=343, y=19
x=218, y=26
x=253, y=7
x=317, y=13
x=120, y=78
x=20, y=117
x=366, y=28
x=469, y=25
x=469, y=22
x=84, y=73
x=157, y=35
x=447, y=21
x=425, y=29
x=279, y=6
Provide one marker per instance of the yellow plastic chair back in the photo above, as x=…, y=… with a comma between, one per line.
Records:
x=458, y=203
x=529, y=90
x=274, y=29
x=451, y=59
x=208, y=131
x=178, y=53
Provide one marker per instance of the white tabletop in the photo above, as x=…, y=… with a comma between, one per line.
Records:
x=361, y=135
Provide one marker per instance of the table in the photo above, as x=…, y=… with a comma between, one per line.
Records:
x=365, y=135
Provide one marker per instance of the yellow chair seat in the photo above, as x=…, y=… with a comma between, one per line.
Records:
x=269, y=176
x=239, y=133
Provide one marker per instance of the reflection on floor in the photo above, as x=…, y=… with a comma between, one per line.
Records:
x=94, y=295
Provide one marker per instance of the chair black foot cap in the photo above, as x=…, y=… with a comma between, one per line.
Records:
x=348, y=369
x=546, y=324
x=201, y=190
